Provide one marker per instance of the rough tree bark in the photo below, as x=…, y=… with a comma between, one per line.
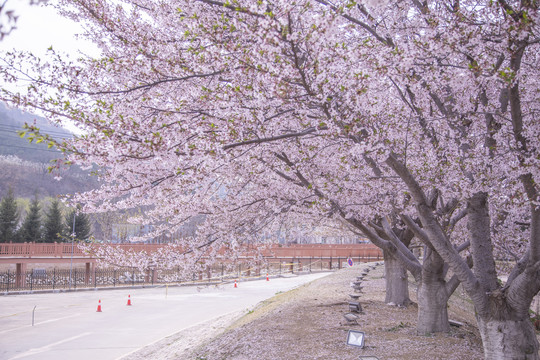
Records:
x=397, y=284
x=508, y=338
x=502, y=312
x=503, y=318
x=433, y=290
x=433, y=294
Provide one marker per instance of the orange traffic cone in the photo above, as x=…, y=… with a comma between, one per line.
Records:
x=267, y=279
x=235, y=284
x=99, y=306
x=129, y=300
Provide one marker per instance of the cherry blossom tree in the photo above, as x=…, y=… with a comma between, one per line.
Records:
x=398, y=117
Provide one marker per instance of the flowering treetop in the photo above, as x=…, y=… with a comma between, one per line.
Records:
x=241, y=110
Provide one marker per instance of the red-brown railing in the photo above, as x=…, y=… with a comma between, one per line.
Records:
x=60, y=250
x=324, y=250
x=29, y=250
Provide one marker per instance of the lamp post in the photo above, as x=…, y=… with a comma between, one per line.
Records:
x=71, y=260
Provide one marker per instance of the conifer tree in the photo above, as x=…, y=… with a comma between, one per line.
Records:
x=53, y=223
x=8, y=218
x=31, y=230
x=82, y=225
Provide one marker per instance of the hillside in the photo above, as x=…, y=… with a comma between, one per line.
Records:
x=24, y=165
x=13, y=120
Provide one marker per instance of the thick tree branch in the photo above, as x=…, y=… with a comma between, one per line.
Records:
x=482, y=248
x=386, y=41
x=417, y=230
x=452, y=284
x=523, y=288
x=308, y=131
x=438, y=239
x=397, y=242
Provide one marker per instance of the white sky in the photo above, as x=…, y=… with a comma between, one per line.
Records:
x=39, y=27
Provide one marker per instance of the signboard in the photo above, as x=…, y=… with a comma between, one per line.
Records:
x=350, y=262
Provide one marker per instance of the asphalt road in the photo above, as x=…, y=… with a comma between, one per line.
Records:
x=67, y=325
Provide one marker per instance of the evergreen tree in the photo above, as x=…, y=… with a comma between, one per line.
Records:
x=31, y=228
x=8, y=218
x=82, y=225
x=53, y=227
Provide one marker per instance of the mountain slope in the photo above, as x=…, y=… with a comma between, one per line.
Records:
x=23, y=165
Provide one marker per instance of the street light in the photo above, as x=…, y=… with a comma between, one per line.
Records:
x=72, y=238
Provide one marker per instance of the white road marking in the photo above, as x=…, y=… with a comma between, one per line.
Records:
x=39, y=323
x=48, y=347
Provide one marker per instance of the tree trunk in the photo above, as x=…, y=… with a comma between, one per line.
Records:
x=508, y=339
x=432, y=307
x=433, y=294
x=397, y=285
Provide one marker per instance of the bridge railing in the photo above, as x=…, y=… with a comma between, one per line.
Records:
x=28, y=250
x=60, y=250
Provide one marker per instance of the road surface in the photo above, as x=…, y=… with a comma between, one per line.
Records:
x=67, y=325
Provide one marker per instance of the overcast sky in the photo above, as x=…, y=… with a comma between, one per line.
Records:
x=39, y=27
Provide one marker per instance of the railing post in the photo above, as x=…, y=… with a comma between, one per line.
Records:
x=7, y=289
x=132, y=276
x=54, y=278
x=20, y=275
x=87, y=274
x=75, y=278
